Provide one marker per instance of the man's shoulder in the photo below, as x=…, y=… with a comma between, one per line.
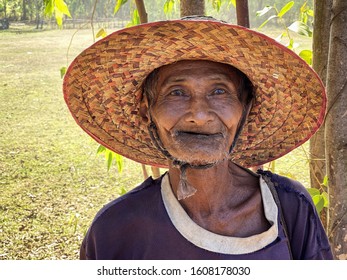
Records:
x=134, y=202
x=305, y=231
x=287, y=188
x=124, y=223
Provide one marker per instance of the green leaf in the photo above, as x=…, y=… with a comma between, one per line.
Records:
x=279, y=37
x=303, y=7
x=326, y=199
x=135, y=20
x=118, y=5
x=301, y=28
x=109, y=159
x=263, y=11
x=282, y=35
x=101, y=149
x=313, y=192
x=136, y=17
x=318, y=201
x=122, y=191
x=233, y=2
x=285, y=9
x=168, y=6
x=216, y=4
x=62, y=71
x=62, y=7
x=310, y=13
x=325, y=181
x=266, y=21
x=291, y=44
x=49, y=7
x=119, y=162
x=58, y=8
x=307, y=56
x=59, y=17
x=101, y=33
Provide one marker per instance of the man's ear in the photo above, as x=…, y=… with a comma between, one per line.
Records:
x=144, y=108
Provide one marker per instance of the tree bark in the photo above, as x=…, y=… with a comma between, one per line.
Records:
x=242, y=13
x=140, y=5
x=24, y=7
x=336, y=130
x=5, y=8
x=320, y=46
x=192, y=7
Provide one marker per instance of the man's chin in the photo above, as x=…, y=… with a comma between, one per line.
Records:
x=201, y=153
x=202, y=160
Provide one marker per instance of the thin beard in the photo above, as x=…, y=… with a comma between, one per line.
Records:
x=190, y=159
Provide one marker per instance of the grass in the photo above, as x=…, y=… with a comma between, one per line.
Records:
x=51, y=180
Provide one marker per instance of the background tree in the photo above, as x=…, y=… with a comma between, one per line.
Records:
x=320, y=64
x=3, y=8
x=24, y=10
x=192, y=7
x=336, y=130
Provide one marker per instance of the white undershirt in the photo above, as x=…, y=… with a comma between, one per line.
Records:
x=215, y=242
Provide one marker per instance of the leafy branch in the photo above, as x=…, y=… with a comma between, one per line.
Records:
x=300, y=26
x=58, y=8
x=111, y=157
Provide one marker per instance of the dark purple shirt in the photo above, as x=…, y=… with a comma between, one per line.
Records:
x=137, y=226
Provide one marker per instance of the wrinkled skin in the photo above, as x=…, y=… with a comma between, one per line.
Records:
x=197, y=112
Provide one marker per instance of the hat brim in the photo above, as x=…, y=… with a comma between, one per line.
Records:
x=102, y=87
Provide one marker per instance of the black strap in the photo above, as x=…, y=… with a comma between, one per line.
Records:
x=278, y=203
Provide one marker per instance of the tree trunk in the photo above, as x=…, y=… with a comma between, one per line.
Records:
x=24, y=11
x=320, y=46
x=192, y=7
x=242, y=13
x=140, y=5
x=336, y=130
x=5, y=8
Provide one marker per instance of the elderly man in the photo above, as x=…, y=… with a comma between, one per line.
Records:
x=205, y=99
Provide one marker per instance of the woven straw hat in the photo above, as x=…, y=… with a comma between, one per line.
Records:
x=102, y=87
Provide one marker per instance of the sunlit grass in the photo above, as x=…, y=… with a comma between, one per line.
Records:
x=52, y=182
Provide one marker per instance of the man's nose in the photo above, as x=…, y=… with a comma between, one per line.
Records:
x=200, y=111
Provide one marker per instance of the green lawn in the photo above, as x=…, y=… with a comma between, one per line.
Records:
x=52, y=182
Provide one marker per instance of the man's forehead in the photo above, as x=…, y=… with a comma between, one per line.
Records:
x=181, y=78
x=184, y=70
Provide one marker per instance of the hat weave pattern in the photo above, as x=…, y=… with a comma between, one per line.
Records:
x=102, y=87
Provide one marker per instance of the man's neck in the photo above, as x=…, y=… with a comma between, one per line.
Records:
x=215, y=185
x=225, y=192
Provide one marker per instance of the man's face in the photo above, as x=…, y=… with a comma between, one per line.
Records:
x=197, y=110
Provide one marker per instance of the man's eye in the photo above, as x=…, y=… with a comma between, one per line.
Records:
x=219, y=91
x=177, y=92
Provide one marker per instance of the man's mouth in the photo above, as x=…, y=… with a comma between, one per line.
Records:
x=197, y=135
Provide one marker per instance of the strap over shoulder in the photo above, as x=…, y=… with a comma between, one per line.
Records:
x=266, y=175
